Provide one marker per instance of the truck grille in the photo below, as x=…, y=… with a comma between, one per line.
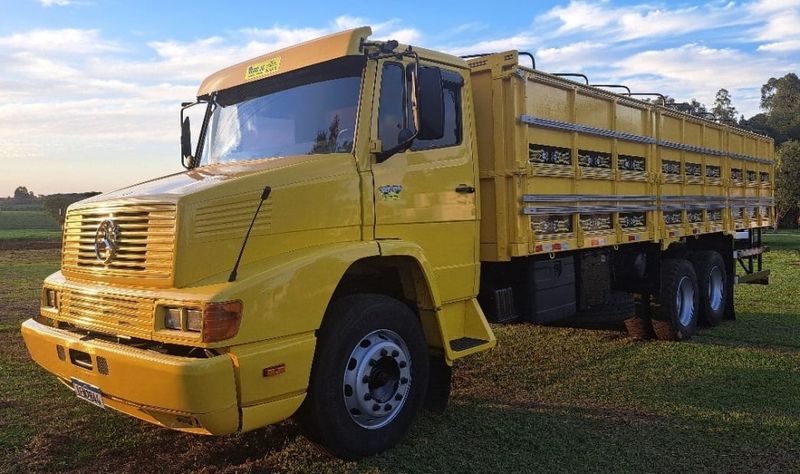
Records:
x=107, y=313
x=145, y=243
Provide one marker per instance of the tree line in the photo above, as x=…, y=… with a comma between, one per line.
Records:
x=55, y=204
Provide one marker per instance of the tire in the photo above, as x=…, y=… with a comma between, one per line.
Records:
x=712, y=281
x=369, y=376
x=677, y=316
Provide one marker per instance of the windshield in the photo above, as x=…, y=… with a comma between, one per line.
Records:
x=309, y=111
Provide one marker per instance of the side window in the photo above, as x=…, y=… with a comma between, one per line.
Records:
x=391, y=108
x=394, y=106
x=452, y=83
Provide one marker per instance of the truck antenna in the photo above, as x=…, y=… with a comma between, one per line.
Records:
x=264, y=196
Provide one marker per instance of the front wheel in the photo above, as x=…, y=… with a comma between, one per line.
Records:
x=369, y=376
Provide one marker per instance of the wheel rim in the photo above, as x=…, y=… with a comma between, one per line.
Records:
x=685, y=301
x=716, y=289
x=377, y=379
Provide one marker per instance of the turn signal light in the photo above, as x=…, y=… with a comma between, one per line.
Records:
x=221, y=320
x=50, y=298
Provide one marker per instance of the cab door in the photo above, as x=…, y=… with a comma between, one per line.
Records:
x=427, y=194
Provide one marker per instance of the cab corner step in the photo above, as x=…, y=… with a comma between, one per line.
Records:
x=464, y=343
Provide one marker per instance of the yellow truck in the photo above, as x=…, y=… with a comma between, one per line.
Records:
x=353, y=210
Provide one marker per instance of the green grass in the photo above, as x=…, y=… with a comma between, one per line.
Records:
x=783, y=239
x=29, y=234
x=545, y=400
x=28, y=225
x=25, y=220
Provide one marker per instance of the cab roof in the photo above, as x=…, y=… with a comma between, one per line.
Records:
x=326, y=48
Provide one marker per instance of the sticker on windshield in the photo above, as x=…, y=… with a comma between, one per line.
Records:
x=262, y=69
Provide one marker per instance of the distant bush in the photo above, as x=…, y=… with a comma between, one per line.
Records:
x=27, y=220
x=56, y=204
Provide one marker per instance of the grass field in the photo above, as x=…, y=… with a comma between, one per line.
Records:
x=28, y=225
x=545, y=400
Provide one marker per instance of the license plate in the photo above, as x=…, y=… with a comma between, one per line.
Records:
x=87, y=392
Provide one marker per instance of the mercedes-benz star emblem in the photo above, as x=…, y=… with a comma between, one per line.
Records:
x=106, y=240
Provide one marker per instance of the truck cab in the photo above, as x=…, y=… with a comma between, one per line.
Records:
x=319, y=255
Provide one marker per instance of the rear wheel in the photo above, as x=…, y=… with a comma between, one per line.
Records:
x=369, y=376
x=712, y=283
x=677, y=316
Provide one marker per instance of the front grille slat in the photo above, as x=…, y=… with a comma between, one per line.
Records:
x=107, y=313
x=146, y=242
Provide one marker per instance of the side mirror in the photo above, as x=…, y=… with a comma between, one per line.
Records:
x=430, y=104
x=186, y=142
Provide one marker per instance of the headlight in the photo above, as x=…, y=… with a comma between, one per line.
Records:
x=194, y=320
x=215, y=322
x=172, y=318
x=183, y=319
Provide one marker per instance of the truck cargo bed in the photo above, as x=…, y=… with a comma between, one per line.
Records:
x=565, y=166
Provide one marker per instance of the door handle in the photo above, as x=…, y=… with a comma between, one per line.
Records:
x=465, y=189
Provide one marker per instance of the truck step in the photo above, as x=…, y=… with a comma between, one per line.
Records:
x=464, y=343
x=744, y=253
x=755, y=278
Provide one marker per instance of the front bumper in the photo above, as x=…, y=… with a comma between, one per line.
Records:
x=189, y=394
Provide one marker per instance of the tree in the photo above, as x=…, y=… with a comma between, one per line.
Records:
x=780, y=99
x=758, y=123
x=723, y=110
x=56, y=204
x=22, y=194
x=693, y=107
x=787, y=178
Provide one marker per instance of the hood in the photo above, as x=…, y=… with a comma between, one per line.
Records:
x=172, y=187
x=315, y=200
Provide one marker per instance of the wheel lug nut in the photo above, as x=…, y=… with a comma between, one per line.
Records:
x=402, y=364
x=376, y=407
x=403, y=380
x=387, y=407
x=367, y=397
x=372, y=362
x=365, y=379
x=398, y=397
x=395, y=353
x=384, y=352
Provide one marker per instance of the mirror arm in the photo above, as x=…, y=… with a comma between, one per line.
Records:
x=202, y=138
x=386, y=154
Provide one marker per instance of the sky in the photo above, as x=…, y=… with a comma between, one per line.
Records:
x=90, y=89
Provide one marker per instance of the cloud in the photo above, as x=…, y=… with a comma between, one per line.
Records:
x=697, y=71
x=648, y=21
x=521, y=41
x=67, y=40
x=83, y=95
x=77, y=95
x=781, y=46
x=573, y=57
x=57, y=3
x=581, y=16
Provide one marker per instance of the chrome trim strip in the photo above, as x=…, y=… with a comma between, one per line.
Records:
x=585, y=198
x=602, y=132
x=534, y=210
